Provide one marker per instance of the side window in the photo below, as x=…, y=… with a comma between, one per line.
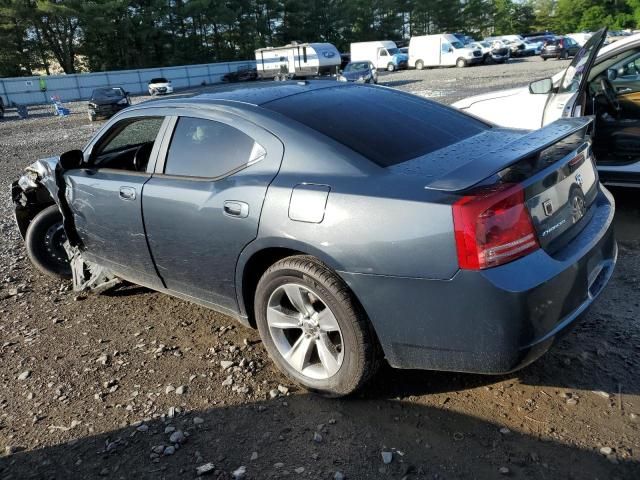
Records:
x=205, y=148
x=304, y=54
x=128, y=144
x=383, y=52
x=446, y=47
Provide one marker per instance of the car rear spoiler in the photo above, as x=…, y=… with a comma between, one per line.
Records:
x=549, y=138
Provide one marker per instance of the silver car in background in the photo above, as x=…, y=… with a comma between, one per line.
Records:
x=347, y=223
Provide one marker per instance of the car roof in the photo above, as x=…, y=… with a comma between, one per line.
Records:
x=255, y=94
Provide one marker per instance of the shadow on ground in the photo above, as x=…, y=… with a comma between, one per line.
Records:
x=426, y=443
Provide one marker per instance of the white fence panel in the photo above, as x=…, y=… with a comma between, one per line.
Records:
x=31, y=91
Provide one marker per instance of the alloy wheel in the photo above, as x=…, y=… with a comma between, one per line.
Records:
x=305, y=331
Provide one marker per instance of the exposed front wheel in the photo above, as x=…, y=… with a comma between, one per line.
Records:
x=44, y=241
x=391, y=67
x=313, y=327
x=419, y=65
x=461, y=63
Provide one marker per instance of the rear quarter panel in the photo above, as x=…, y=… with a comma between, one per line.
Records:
x=374, y=223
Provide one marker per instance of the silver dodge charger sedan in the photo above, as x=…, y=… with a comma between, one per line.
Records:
x=347, y=223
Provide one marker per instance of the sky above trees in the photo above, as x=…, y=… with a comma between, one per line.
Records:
x=116, y=34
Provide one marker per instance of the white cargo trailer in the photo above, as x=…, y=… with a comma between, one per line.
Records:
x=444, y=50
x=297, y=60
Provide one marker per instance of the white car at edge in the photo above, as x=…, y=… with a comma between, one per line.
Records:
x=603, y=82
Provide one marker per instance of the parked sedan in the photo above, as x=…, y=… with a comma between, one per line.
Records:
x=559, y=48
x=160, y=86
x=361, y=72
x=107, y=101
x=430, y=238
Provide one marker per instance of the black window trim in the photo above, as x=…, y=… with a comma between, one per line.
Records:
x=166, y=143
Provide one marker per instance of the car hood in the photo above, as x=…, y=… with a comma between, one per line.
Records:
x=467, y=102
x=102, y=101
x=159, y=85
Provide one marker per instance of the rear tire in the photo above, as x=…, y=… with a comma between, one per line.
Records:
x=419, y=65
x=44, y=240
x=333, y=323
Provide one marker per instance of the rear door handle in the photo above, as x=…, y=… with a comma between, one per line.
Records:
x=127, y=193
x=233, y=208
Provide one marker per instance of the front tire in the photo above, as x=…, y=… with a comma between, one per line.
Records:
x=461, y=63
x=419, y=65
x=44, y=242
x=313, y=327
x=391, y=67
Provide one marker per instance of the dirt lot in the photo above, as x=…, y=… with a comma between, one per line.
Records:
x=94, y=386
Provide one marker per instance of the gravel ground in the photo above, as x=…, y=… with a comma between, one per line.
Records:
x=135, y=384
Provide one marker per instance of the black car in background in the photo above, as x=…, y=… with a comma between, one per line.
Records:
x=559, y=47
x=107, y=101
x=244, y=74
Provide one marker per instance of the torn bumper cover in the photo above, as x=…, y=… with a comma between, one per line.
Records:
x=43, y=185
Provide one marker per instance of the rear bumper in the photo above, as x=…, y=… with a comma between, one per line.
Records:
x=497, y=320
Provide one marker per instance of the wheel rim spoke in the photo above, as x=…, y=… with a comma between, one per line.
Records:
x=300, y=352
x=327, y=321
x=327, y=358
x=298, y=300
x=305, y=331
x=277, y=318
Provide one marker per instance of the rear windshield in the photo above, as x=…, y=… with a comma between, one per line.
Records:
x=386, y=126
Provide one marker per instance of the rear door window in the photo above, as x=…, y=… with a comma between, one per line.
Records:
x=209, y=149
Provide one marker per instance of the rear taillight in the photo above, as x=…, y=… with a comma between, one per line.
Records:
x=493, y=227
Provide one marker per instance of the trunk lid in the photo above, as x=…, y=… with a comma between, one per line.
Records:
x=554, y=165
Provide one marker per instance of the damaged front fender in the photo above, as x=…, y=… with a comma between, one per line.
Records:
x=41, y=186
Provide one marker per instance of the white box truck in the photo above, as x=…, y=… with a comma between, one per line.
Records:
x=382, y=54
x=443, y=50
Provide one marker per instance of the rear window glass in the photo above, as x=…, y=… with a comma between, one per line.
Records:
x=386, y=126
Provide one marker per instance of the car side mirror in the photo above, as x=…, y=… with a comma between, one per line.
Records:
x=541, y=86
x=612, y=74
x=71, y=159
x=450, y=49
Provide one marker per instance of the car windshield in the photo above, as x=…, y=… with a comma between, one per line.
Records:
x=580, y=65
x=357, y=67
x=457, y=44
x=107, y=93
x=159, y=80
x=392, y=51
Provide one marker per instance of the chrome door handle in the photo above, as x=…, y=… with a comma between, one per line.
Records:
x=127, y=193
x=233, y=208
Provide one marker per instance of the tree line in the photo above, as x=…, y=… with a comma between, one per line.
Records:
x=100, y=35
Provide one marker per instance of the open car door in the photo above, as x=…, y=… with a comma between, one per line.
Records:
x=563, y=101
